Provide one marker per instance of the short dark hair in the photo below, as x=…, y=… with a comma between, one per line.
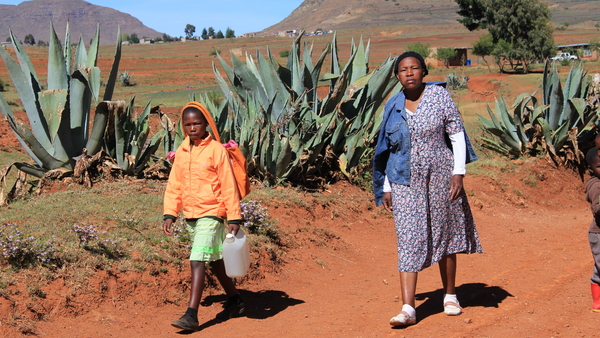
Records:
x=589, y=156
x=410, y=54
x=193, y=110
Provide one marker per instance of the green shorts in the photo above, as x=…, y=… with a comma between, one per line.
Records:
x=207, y=234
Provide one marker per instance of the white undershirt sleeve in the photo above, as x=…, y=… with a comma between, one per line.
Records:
x=459, y=149
x=387, y=187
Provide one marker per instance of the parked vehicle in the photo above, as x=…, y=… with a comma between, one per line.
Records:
x=564, y=56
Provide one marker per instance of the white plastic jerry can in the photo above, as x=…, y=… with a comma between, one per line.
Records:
x=236, y=254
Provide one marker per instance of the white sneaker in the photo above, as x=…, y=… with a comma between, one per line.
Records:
x=452, y=309
x=403, y=319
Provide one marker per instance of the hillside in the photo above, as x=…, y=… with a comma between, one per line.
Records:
x=33, y=17
x=347, y=14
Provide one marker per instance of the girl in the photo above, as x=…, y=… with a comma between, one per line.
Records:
x=202, y=185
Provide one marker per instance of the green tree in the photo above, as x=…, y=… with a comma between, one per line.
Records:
x=445, y=55
x=523, y=24
x=133, y=38
x=211, y=33
x=167, y=38
x=501, y=53
x=474, y=14
x=219, y=35
x=483, y=47
x=189, y=31
x=420, y=48
x=204, y=34
x=29, y=40
x=229, y=33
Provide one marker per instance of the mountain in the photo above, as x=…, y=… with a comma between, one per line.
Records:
x=356, y=14
x=34, y=17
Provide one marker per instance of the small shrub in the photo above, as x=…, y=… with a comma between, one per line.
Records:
x=85, y=234
x=531, y=180
x=111, y=247
x=284, y=53
x=179, y=230
x=2, y=86
x=90, y=240
x=215, y=52
x=364, y=170
x=21, y=250
x=565, y=62
x=256, y=219
x=36, y=292
x=455, y=82
x=126, y=79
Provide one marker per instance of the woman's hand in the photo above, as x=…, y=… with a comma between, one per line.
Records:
x=233, y=228
x=456, y=186
x=167, y=226
x=387, y=201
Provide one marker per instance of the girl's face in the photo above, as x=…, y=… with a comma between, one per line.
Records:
x=410, y=74
x=595, y=167
x=194, y=125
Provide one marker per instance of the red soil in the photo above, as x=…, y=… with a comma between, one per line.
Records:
x=531, y=281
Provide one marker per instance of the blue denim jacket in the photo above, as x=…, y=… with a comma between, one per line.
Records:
x=392, y=153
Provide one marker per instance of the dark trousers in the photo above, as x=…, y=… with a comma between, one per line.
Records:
x=594, y=239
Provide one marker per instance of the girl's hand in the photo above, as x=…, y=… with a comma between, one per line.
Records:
x=167, y=226
x=233, y=228
x=456, y=186
x=387, y=201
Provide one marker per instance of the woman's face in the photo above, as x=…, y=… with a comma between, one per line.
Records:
x=410, y=74
x=194, y=125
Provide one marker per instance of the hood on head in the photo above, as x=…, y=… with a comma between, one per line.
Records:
x=207, y=116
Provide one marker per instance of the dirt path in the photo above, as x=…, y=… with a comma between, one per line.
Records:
x=341, y=281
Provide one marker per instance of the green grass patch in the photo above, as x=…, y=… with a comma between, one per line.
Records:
x=11, y=157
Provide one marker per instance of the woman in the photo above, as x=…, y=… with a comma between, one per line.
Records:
x=418, y=178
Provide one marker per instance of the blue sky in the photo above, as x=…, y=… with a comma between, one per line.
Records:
x=171, y=16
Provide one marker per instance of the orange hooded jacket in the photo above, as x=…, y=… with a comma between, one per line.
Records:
x=201, y=183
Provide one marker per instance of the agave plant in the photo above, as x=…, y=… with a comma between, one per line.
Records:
x=556, y=127
x=284, y=128
x=59, y=112
x=126, y=139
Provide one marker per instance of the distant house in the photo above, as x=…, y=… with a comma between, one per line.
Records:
x=251, y=34
x=290, y=34
x=461, y=58
x=584, y=50
x=6, y=44
x=146, y=41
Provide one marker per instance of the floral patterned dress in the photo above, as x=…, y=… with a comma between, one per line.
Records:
x=428, y=224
